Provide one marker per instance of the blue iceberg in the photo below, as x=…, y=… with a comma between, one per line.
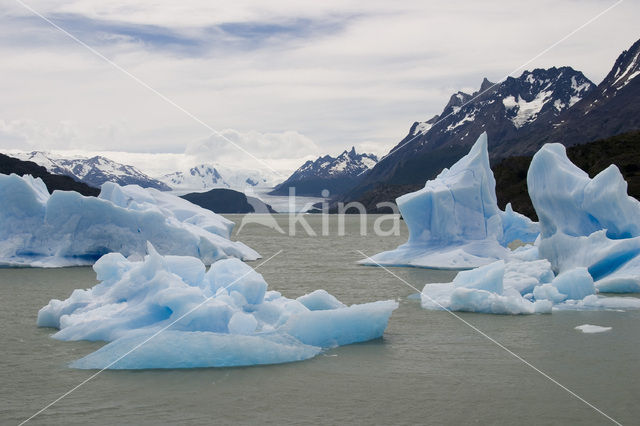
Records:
x=454, y=221
x=589, y=244
x=170, y=312
x=67, y=229
x=584, y=222
x=520, y=287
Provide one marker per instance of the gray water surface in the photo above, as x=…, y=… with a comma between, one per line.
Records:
x=430, y=367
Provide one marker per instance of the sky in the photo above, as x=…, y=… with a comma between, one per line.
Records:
x=268, y=85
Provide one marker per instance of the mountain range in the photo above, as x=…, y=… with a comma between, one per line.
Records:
x=519, y=115
x=335, y=174
x=9, y=165
x=93, y=171
x=209, y=176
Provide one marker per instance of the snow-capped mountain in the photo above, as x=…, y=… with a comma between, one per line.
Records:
x=334, y=174
x=534, y=100
x=11, y=164
x=505, y=109
x=625, y=70
x=347, y=164
x=93, y=171
x=519, y=115
x=209, y=176
x=612, y=108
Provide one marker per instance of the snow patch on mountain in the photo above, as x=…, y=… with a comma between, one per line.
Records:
x=93, y=171
x=630, y=72
x=209, y=176
x=349, y=163
x=527, y=112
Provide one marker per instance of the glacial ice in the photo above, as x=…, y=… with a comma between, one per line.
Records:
x=454, y=221
x=520, y=287
x=168, y=312
x=589, y=243
x=590, y=329
x=584, y=222
x=493, y=288
x=66, y=228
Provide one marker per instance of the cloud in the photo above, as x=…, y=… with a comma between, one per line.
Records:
x=258, y=149
x=25, y=134
x=293, y=79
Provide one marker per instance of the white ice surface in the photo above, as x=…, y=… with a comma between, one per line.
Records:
x=586, y=223
x=66, y=228
x=222, y=317
x=520, y=287
x=454, y=221
x=590, y=329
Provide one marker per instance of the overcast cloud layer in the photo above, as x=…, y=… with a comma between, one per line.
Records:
x=287, y=81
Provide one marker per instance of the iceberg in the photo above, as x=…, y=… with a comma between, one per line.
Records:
x=68, y=229
x=589, y=243
x=496, y=288
x=170, y=312
x=454, y=221
x=586, y=223
x=520, y=287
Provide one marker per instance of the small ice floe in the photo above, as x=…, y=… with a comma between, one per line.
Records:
x=590, y=329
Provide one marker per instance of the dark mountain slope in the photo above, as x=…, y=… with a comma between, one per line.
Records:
x=10, y=165
x=222, y=200
x=337, y=175
x=518, y=106
x=519, y=115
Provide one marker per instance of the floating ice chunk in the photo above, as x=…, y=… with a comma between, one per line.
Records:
x=490, y=289
x=454, y=221
x=589, y=328
x=66, y=228
x=222, y=317
x=320, y=300
x=594, y=302
x=470, y=300
x=520, y=287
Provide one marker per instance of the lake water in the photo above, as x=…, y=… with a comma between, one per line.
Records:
x=429, y=367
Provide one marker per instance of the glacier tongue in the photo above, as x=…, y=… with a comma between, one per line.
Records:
x=66, y=228
x=454, y=221
x=167, y=312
